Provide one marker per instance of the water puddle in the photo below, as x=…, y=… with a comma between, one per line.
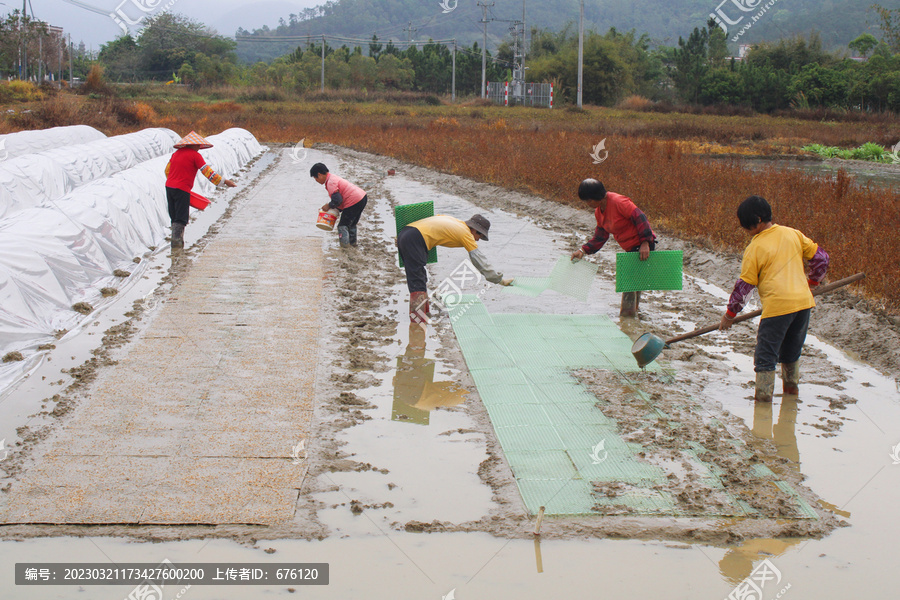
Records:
x=865, y=174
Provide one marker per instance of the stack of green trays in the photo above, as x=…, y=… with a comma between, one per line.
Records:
x=661, y=271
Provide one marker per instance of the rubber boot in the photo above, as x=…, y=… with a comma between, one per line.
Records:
x=630, y=302
x=177, y=236
x=352, y=235
x=765, y=386
x=344, y=236
x=418, y=307
x=790, y=377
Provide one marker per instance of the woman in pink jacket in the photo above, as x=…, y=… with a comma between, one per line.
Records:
x=348, y=198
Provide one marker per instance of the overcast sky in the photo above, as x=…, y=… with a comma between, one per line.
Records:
x=90, y=22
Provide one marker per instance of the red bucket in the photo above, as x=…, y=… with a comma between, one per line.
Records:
x=198, y=201
x=327, y=219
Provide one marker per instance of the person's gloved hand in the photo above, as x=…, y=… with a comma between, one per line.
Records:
x=507, y=282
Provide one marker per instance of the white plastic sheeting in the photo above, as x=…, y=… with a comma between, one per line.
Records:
x=34, y=179
x=231, y=149
x=30, y=142
x=64, y=251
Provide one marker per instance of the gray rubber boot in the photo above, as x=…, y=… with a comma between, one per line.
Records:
x=344, y=236
x=353, y=235
x=630, y=302
x=790, y=377
x=765, y=386
x=177, y=236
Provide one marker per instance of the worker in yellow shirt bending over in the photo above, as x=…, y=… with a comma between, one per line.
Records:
x=417, y=238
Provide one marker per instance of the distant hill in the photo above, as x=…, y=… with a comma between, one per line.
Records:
x=837, y=21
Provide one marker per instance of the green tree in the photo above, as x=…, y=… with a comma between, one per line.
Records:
x=691, y=64
x=615, y=65
x=168, y=42
x=394, y=72
x=121, y=57
x=718, y=46
x=890, y=26
x=821, y=85
x=864, y=44
x=363, y=72
x=375, y=47
x=19, y=36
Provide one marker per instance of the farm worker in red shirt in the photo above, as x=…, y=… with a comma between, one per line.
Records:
x=617, y=215
x=348, y=198
x=181, y=170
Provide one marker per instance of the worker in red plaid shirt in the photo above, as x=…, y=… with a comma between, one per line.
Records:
x=617, y=215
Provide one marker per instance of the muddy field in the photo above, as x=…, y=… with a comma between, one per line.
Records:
x=382, y=468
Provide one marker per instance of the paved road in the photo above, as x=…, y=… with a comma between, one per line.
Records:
x=198, y=422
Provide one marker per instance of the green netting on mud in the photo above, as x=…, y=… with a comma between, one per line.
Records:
x=410, y=213
x=661, y=271
x=569, y=278
x=565, y=453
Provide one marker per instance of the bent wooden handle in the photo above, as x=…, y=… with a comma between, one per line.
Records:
x=816, y=292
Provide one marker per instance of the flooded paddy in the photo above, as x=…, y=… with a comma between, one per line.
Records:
x=407, y=491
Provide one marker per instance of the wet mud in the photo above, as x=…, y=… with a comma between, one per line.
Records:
x=698, y=365
x=683, y=438
x=365, y=315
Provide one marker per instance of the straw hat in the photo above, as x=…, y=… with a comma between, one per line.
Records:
x=193, y=139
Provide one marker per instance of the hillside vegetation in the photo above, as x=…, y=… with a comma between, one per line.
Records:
x=837, y=21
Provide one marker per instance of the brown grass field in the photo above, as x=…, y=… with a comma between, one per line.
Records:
x=657, y=159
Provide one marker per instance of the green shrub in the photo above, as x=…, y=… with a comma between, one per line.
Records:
x=19, y=91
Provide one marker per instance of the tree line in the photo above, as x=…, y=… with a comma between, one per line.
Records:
x=795, y=72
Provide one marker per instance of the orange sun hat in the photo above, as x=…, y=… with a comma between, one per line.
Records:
x=193, y=139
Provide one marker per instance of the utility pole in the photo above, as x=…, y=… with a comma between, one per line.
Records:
x=581, y=54
x=524, y=33
x=484, y=6
x=518, y=70
x=323, y=63
x=24, y=44
x=409, y=31
x=71, y=78
x=40, y=59
x=453, y=77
